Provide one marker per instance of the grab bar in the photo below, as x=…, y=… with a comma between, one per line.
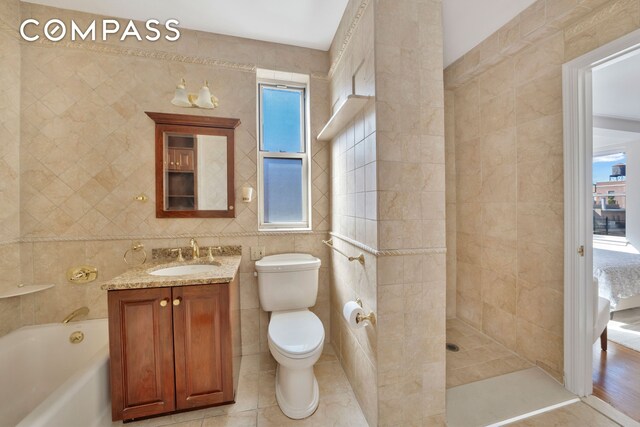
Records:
x=359, y=258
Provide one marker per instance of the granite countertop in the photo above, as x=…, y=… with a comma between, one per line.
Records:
x=139, y=277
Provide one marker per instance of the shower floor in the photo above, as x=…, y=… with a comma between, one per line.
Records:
x=479, y=358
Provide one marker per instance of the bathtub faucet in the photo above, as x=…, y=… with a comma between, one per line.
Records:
x=82, y=311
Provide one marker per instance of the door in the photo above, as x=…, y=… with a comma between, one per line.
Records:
x=141, y=349
x=578, y=207
x=202, y=343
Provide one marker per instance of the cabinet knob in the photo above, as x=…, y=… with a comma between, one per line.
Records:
x=177, y=301
x=164, y=303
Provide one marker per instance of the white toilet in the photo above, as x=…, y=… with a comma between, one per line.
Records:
x=288, y=286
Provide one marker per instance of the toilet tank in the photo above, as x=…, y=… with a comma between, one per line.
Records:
x=287, y=281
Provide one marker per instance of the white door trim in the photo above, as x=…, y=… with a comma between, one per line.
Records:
x=578, y=147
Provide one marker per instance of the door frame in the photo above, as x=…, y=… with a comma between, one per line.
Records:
x=578, y=219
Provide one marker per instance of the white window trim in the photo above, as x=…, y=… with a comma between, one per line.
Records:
x=622, y=148
x=296, y=81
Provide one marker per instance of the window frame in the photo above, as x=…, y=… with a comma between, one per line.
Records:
x=305, y=156
x=603, y=238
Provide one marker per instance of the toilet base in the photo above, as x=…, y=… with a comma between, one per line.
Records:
x=291, y=399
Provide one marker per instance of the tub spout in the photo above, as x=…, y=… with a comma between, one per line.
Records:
x=82, y=311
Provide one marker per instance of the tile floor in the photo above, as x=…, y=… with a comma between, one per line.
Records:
x=575, y=415
x=256, y=402
x=499, y=399
x=479, y=358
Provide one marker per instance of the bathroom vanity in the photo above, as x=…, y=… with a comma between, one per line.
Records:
x=174, y=336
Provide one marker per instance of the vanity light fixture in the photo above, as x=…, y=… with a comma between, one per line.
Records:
x=203, y=99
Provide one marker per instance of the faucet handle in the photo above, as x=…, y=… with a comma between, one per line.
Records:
x=179, y=250
x=210, y=254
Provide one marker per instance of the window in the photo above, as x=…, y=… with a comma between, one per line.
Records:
x=610, y=195
x=283, y=156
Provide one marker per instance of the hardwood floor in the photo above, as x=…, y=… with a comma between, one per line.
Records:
x=616, y=378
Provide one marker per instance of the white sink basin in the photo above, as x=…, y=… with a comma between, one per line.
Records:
x=183, y=270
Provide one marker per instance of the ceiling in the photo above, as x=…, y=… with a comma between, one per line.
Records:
x=609, y=140
x=616, y=103
x=616, y=92
x=306, y=23
x=468, y=22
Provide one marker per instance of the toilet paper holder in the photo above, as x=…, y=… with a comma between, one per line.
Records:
x=371, y=317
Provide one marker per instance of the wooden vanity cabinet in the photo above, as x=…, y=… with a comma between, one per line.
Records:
x=201, y=338
x=141, y=353
x=173, y=348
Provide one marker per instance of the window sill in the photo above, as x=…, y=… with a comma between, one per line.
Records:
x=285, y=229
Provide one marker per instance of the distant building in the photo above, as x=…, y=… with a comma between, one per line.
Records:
x=610, y=203
x=613, y=190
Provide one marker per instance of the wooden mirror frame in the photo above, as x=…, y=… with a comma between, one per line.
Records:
x=191, y=124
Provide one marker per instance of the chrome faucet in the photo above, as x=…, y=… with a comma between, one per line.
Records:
x=82, y=311
x=195, y=248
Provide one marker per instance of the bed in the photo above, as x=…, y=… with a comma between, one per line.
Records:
x=618, y=275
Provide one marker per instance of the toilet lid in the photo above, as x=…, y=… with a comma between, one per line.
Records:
x=287, y=262
x=296, y=333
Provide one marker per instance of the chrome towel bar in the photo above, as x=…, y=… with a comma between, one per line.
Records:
x=359, y=258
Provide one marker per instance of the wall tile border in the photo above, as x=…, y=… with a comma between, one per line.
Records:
x=348, y=35
x=389, y=252
x=168, y=236
x=108, y=49
x=9, y=242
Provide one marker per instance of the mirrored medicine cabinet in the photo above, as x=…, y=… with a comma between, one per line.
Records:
x=194, y=166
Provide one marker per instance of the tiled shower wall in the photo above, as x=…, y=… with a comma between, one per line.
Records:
x=87, y=150
x=411, y=212
x=9, y=163
x=509, y=170
x=354, y=204
x=450, y=197
x=388, y=202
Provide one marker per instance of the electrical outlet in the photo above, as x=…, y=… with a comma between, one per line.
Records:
x=257, y=253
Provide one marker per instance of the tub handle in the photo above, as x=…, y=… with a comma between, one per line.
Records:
x=164, y=302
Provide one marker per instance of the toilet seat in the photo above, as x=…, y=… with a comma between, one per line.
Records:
x=296, y=334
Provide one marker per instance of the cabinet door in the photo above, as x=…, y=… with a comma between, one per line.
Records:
x=171, y=159
x=202, y=344
x=184, y=159
x=141, y=350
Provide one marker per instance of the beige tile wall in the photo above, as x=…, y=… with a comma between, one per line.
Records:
x=388, y=196
x=354, y=203
x=450, y=198
x=10, y=308
x=411, y=209
x=509, y=170
x=9, y=163
x=87, y=150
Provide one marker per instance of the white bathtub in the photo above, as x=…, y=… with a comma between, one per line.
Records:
x=48, y=382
